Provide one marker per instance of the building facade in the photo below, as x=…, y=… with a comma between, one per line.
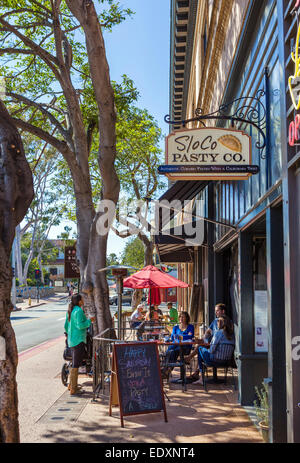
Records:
x=235, y=63
x=56, y=268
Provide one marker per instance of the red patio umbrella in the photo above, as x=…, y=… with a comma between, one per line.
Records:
x=151, y=277
x=154, y=296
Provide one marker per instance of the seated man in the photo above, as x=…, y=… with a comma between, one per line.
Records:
x=173, y=314
x=220, y=310
x=216, y=354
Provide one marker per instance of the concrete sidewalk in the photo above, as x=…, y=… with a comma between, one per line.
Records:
x=48, y=414
x=25, y=305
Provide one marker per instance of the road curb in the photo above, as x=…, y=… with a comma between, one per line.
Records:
x=38, y=304
x=39, y=348
x=30, y=306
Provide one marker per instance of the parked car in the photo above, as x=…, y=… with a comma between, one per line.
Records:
x=126, y=297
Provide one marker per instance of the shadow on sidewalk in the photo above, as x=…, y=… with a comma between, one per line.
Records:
x=194, y=416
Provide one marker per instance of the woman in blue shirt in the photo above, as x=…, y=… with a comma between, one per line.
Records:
x=221, y=346
x=182, y=332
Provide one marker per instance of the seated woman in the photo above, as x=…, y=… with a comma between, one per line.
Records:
x=185, y=332
x=158, y=312
x=137, y=317
x=216, y=354
x=136, y=321
x=154, y=314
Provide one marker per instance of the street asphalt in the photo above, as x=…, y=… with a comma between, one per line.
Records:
x=39, y=323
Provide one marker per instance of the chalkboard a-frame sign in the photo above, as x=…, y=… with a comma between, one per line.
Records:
x=136, y=383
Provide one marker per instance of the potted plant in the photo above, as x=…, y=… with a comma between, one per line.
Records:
x=262, y=410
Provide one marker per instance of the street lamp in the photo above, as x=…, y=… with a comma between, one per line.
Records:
x=119, y=272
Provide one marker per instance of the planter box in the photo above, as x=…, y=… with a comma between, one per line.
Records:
x=264, y=429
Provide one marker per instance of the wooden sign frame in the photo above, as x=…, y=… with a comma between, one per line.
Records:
x=210, y=174
x=115, y=398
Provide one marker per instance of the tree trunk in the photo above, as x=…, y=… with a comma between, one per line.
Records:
x=136, y=298
x=19, y=265
x=26, y=266
x=39, y=259
x=9, y=426
x=148, y=249
x=16, y=194
x=94, y=284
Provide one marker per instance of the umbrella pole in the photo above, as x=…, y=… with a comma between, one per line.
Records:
x=119, y=285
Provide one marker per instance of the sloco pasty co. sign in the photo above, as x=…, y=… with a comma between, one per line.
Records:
x=208, y=153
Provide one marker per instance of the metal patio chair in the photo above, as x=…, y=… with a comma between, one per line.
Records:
x=224, y=351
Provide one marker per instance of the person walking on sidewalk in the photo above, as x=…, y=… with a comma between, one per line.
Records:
x=76, y=325
x=69, y=288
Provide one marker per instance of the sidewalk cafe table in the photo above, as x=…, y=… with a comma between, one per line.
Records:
x=182, y=364
x=152, y=331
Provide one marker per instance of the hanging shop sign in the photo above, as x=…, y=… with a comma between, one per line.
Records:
x=208, y=153
x=71, y=264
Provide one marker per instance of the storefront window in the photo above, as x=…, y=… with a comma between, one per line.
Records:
x=255, y=179
x=242, y=198
x=260, y=299
x=231, y=203
x=275, y=132
x=236, y=202
x=218, y=210
x=234, y=284
x=247, y=195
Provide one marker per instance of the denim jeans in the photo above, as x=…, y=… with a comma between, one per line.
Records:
x=204, y=356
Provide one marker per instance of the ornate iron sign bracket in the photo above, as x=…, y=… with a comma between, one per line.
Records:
x=244, y=110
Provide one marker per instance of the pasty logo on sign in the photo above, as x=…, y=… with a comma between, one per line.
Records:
x=208, y=153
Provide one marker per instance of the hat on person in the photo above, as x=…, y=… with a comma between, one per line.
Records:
x=140, y=306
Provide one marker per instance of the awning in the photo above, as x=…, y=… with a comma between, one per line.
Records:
x=182, y=190
x=177, y=244
x=174, y=255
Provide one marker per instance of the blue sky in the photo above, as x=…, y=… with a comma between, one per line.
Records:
x=140, y=48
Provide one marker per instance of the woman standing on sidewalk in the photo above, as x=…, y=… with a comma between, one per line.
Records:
x=76, y=325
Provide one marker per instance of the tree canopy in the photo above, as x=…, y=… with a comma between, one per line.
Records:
x=51, y=94
x=133, y=253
